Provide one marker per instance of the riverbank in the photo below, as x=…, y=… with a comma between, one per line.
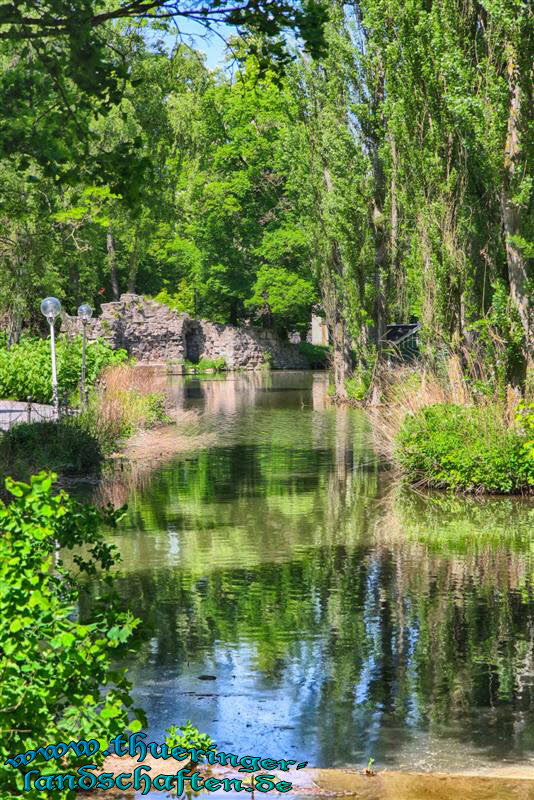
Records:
x=503, y=783
x=130, y=417
x=440, y=431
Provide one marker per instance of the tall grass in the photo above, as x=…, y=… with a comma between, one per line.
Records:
x=402, y=390
x=127, y=399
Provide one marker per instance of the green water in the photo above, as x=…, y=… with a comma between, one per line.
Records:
x=296, y=603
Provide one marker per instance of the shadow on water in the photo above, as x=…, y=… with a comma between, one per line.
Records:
x=339, y=616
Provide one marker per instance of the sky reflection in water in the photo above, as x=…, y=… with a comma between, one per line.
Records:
x=333, y=615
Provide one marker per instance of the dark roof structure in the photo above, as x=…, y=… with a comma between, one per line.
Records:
x=398, y=333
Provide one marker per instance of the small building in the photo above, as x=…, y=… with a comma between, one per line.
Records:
x=403, y=341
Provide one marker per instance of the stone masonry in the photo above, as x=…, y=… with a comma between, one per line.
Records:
x=151, y=332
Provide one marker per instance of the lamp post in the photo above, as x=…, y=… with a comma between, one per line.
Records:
x=50, y=308
x=85, y=312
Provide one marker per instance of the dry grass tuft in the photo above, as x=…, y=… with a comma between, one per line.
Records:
x=125, y=377
x=405, y=390
x=127, y=399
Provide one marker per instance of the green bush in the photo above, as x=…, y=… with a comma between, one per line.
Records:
x=357, y=387
x=65, y=446
x=525, y=420
x=56, y=678
x=468, y=449
x=25, y=369
x=218, y=364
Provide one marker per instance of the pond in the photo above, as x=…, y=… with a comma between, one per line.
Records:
x=297, y=603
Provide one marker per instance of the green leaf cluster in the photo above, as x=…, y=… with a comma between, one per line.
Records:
x=187, y=736
x=57, y=682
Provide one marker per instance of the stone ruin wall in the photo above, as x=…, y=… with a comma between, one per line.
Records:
x=153, y=333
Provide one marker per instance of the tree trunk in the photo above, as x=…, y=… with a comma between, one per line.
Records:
x=334, y=307
x=14, y=326
x=110, y=242
x=341, y=358
x=429, y=283
x=511, y=211
x=134, y=263
x=396, y=271
x=337, y=326
x=380, y=277
x=374, y=134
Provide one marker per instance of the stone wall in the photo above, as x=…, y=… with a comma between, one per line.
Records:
x=151, y=332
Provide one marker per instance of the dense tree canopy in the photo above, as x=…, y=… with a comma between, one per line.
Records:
x=384, y=173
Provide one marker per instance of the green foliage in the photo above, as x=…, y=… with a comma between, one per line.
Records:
x=284, y=298
x=316, y=354
x=215, y=364
x=56, y=677
x=525, y=420
x=261, y=194
x=218, y=364
x=26, y=371
x=359, y=383
x=500, y=339
x=67, y=447
x=267, y=359
x=187, y=736
x=183, y=300
x=466, y=449
x=357, y=387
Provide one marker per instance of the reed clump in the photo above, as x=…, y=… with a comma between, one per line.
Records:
x=438, y=430
x=127, y=399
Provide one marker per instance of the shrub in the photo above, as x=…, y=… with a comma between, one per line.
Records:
x=218, y=364
x=267, y=360
x=357, y=387
x=66, y=446
x=25, y=369
x=525, y=420
x=56, y=681
x=463, y=448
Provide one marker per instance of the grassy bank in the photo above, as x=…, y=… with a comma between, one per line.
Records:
x=127, y=400
x=439, y=434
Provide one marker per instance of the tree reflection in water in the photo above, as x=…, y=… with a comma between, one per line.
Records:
x=332, y=606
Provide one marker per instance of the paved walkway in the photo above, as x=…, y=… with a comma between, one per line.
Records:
x=12, y=411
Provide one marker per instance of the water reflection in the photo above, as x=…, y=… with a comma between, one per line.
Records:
x=339, y=616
